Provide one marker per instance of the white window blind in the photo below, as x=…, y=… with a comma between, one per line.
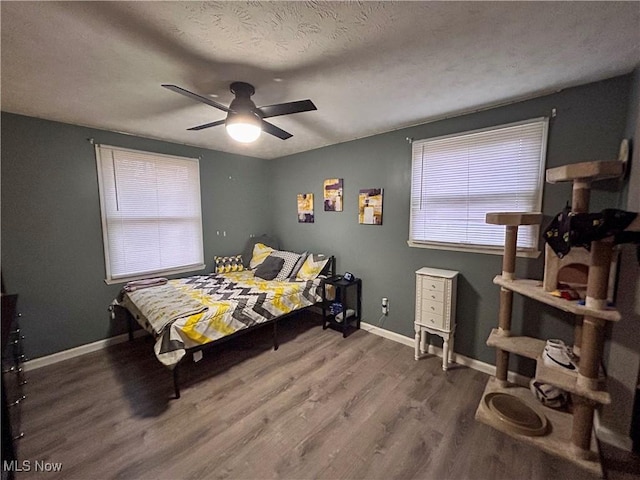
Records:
x=151, y=213
x=457, y=179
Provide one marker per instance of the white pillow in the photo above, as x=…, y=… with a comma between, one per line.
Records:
x=297, y=266
x=312, y=267
x=290, y=260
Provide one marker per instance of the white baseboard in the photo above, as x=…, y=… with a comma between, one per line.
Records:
x=77, y=351
x=381, y=332
x=607, y=435
x=457, y=358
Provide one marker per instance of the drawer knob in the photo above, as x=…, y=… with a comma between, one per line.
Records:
x=16, y=402
x=13, y=369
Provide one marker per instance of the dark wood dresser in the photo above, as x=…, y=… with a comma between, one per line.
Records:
x=12, y=382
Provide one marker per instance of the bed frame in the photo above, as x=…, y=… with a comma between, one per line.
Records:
x=329, y=269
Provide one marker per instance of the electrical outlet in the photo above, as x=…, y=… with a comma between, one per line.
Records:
x=385, y=306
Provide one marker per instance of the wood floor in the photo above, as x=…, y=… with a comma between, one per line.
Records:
x=320, y=407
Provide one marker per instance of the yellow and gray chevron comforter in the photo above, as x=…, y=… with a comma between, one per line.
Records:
x=228, y=303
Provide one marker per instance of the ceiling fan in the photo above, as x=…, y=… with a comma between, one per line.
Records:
x=244, y=120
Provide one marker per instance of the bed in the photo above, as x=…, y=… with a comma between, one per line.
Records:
x=192, y=313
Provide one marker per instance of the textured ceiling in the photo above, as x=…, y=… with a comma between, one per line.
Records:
x=369, y=67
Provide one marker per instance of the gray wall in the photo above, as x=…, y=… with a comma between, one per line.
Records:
x=589, y=125
x=52, y=253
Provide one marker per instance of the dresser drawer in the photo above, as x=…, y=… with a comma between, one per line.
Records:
x=432, y=284
x=431, y=307
x=435, y=321
x=433, y=295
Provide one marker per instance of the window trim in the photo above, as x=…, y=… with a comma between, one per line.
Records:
x=109, y=278
x=524, y=253
x=534, y=252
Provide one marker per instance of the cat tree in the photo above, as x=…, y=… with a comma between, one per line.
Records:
x=569, y=435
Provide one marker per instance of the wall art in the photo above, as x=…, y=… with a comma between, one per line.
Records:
x=305, y=208
x=333, y=195
x=370, y=206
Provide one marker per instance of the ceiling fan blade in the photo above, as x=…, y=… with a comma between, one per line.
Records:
x=287, y=108
x=196, y=97
x=207, y=125
x=275, y=131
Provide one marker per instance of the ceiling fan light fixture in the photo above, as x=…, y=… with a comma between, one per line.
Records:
x=244, y=127
x=244, y=120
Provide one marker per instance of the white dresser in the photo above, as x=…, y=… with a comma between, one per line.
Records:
x=435, y=309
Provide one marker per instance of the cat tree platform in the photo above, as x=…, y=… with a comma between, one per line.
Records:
x=586, y=171
x=557, y=441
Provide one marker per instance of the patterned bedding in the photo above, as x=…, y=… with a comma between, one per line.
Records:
x=233, y=301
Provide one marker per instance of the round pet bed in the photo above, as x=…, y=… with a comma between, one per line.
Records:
x=515, y=414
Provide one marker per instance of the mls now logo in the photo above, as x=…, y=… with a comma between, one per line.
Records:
x=29, y=466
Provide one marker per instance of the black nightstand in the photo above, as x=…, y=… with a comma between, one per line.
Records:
x=349, y=295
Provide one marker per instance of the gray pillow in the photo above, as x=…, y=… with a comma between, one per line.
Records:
x=270, y=268
x=247, y=253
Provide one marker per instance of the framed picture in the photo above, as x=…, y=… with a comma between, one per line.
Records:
x=305, y=208
x=370, y=206
x=333, y=195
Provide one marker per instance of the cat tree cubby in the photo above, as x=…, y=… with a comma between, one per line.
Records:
x=568, y=435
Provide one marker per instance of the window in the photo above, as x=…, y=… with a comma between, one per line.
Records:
x=151, y=213
x=457, y=179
